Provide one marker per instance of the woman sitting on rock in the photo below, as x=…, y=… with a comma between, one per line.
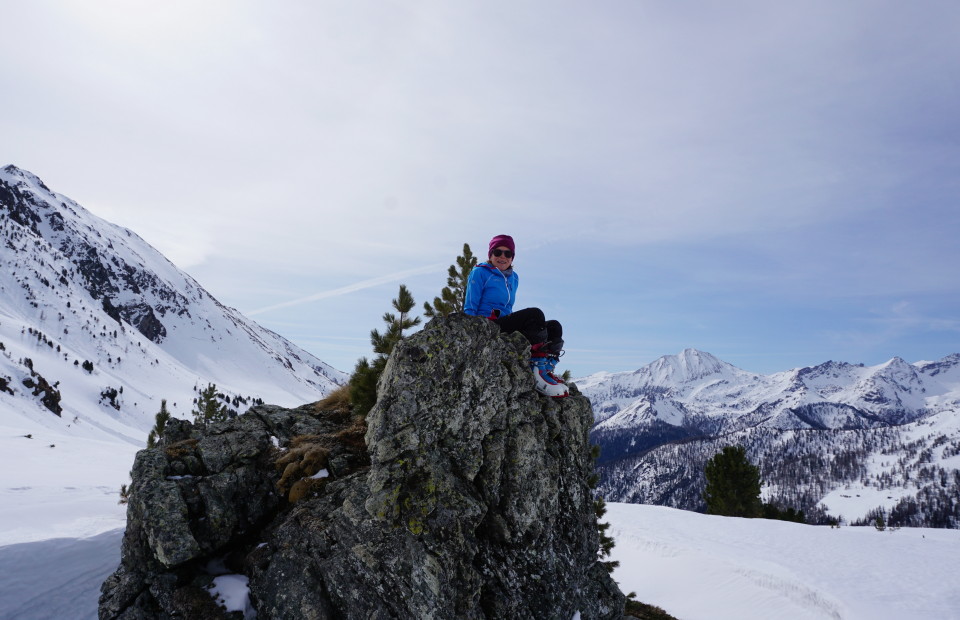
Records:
x=491, y=291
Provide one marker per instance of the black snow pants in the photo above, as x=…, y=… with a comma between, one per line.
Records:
x=532, y=323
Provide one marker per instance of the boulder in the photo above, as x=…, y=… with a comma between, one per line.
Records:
x=469, y=498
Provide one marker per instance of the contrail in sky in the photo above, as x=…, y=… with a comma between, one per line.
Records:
x=350, y=288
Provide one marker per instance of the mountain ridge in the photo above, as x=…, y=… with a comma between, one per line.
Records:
x=848, y=432
x=893, y=392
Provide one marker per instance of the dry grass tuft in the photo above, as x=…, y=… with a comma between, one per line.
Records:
x=337, y=400
x=306, y=487
x=354, y=436
x=181, y=449
x=636, y=609
x=306, y=457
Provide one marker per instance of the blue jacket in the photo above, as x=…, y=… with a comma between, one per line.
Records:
x=488, y=288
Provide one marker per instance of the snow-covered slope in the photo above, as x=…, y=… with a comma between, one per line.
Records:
x=700, y=567
x=96, y=327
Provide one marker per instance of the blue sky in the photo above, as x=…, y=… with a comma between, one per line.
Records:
x=777, y=185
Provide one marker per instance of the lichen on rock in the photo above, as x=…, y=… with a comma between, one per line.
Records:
x=470, y=499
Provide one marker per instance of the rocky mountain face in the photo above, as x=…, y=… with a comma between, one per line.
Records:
x=464, y=494
x=823, y=436
x=104, y=327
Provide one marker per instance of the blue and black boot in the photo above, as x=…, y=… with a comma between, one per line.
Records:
x=543, y=364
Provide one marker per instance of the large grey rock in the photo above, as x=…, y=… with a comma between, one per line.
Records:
x=476, y=502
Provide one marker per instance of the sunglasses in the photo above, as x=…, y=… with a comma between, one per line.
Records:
x=499, y=253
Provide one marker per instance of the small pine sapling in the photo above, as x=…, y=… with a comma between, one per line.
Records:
x=363, y=382
x=453, y=294
x=600, y=509
x=209, y=409
x=160, y=423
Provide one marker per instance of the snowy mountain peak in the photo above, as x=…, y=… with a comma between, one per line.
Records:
x=829, y=367
x=900, y=371
x=689, y=365
x=13, y=171
x=651, y=392
x=898, y=363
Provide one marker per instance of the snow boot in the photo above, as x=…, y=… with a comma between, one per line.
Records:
x=552, y=361
x=545, y=381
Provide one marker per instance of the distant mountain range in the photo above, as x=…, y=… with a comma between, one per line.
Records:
x=96, y=327
x=885, y=436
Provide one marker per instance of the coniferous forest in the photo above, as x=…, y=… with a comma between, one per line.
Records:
x=800, y=467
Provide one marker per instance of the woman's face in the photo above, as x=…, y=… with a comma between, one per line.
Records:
x=501, y=262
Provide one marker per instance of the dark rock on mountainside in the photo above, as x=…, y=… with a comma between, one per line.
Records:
x=468, y=497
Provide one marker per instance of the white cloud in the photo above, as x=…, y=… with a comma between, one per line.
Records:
x=350, y=288
x=667, y=122
x=330, y=142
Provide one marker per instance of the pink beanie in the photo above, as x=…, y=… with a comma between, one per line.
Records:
x=505, y=240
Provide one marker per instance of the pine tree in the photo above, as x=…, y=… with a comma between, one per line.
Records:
x=453, y=294
x=599, y=509
x=124, y=494
x=385, y=342
x=733, y=484
x=209, y=410
x=160, y=423
x=363, y=385
x=606, y=541
x=879, y=522
x=363, y=382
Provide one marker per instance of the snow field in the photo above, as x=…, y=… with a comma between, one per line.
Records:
x=70, y=490
x=56, y=579
x=694, y=566
x=698, y=566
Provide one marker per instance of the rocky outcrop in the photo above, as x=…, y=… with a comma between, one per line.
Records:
x=468, y=499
